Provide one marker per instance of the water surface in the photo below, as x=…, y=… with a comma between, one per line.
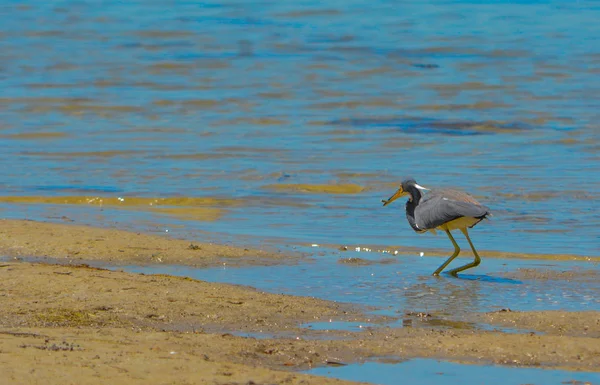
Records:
x=256, y=101
x=406, y=285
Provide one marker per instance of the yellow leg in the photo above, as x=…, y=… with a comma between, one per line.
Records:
x=456, y=251
x=476, y=262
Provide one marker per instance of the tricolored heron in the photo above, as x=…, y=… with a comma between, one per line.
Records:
x=442, y=210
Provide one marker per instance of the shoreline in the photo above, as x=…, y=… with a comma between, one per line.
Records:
x=74, y=323
x=74, y=242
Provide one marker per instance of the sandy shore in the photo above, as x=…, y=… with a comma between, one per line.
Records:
x=73, y=324
x=72, y=243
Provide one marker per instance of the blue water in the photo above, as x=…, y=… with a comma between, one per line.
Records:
x=225, y=98
x=426, y=371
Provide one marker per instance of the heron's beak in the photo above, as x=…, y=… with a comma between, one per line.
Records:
x=398, y=194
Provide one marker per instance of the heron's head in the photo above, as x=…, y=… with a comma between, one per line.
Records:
x=408, y=185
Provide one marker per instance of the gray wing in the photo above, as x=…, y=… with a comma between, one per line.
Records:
x=439, y=207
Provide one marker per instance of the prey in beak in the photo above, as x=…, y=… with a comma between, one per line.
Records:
x=398, y=194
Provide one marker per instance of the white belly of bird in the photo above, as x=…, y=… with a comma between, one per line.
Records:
x=460, y=223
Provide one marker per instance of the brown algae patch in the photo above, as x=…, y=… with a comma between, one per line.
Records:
x=193, y=213
x=72, y=242
x=102, y=110
x=318, y=188
x=258, y=121
x=537, y=196
x=201, y=209
x=483, y=105
x=155, y=85
x=468, y=86
x=170, y=66
x=121, y=201
x=275, y=95
x=197, y=156
x=350, y=175
x=352, y=104
x=82, y=154
x=78, y=109
x=44, y=100
x=195, y=103
x=36, y=135
x=369, y=72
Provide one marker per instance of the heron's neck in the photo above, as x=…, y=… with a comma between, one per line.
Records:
x=415, y=195
x=411, y=205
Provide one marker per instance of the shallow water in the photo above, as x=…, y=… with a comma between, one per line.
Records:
x=407, y=285
x=264, y=103
x=425, y=371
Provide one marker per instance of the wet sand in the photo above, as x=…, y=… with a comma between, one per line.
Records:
x=77, y=324
x=72, y=243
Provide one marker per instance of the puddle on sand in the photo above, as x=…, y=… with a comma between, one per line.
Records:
x=255, y=335
x=407, y=285
x=338, y=325
x=426, y=371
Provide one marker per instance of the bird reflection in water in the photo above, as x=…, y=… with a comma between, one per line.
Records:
x=446, y=298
